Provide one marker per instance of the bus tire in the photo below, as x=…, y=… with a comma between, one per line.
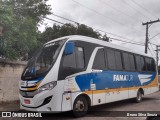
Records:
x=80, y=106
x=139, y=97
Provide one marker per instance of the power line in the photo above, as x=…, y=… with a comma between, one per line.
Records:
x=126, y=41
x=110, y=38
x=141, y=44
x=147, y=39
x=150, y=52
x=89, y=26
x=114, y=8
x=96, y=29
x=154, y=36
x=137, y=10
x=124, y=25
x=144, y=8
x=54, y=20
x=117, y=10
x=152, y=43
x=152, y=47
x=98, y=13
x=65, y=18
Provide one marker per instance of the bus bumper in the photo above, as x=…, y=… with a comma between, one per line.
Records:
x=44, y=102
x=42, y=109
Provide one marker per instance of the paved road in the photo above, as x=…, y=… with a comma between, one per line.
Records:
x=149, y=103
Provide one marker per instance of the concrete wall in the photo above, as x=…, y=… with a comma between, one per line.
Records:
x=10, y=74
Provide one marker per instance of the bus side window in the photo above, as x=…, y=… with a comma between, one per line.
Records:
x=126, y=61
x=99, y=61
x=69, y=61
x=114, y=59
x=79, y=57
x=138, y=62
x=132, y=62
x=75, y=60
x=118, y=58
x=111, y=59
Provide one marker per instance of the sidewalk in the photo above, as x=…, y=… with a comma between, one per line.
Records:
x=9, y=106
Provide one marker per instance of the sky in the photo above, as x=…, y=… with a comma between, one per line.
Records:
x=119, y=17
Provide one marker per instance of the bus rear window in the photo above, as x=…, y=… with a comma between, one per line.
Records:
x=150, y=64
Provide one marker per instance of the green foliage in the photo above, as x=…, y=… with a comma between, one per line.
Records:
x=20, y=18
x=105, y=38
x=69, y=29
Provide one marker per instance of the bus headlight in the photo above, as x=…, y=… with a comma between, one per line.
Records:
x=48, y=86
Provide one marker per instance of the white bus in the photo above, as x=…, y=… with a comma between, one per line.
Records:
x=75, y=72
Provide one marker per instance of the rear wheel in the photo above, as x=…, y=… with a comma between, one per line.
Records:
x=139, y=96
x=80, y=106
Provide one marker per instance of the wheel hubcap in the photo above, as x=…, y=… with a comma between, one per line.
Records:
x=79, y=106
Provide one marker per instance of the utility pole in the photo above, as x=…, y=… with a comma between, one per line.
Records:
x=157, y=50
x=147, y=39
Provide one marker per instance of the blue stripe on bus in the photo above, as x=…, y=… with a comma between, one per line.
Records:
x=105, y=79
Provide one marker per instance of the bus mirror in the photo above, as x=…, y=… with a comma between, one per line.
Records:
x=69, y=48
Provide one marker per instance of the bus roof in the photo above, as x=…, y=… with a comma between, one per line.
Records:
x=100, y=42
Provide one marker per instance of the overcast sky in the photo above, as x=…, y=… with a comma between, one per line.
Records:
x=120, y=17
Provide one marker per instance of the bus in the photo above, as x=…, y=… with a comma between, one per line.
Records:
x=75, y=72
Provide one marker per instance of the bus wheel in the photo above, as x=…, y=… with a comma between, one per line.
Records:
x=80, y=106
x=139, y=96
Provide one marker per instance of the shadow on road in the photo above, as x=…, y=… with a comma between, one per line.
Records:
x=104, y=110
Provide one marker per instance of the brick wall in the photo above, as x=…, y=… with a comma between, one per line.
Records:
x=10, y=74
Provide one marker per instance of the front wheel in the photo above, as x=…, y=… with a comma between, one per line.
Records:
x=139, y=96
x=80, y=106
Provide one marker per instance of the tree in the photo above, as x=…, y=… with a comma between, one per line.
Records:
x=87, y=31
x=68, y=29
x=21, y=18
x=105, y=38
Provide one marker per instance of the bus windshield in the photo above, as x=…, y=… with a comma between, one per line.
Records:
x=40, y=64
